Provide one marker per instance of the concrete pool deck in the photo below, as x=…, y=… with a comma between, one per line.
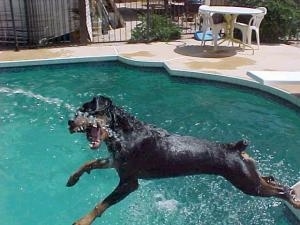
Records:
x=188, y=55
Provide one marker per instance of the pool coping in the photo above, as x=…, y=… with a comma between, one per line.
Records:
x=255, y=84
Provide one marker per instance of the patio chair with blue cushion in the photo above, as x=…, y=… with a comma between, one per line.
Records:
x=209, y=29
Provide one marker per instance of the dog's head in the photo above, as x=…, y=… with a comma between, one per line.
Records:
x=93, y=119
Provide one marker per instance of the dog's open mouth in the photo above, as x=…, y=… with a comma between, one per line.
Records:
x=93, y=126
x=94, y=136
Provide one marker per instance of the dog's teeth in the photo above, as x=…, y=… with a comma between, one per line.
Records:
x=92, y=144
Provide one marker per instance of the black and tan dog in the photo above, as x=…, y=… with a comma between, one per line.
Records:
x=141, y=151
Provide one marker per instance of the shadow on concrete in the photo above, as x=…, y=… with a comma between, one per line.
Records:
x=206, y=51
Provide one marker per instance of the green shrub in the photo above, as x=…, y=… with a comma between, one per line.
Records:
x=160, y=29
x=282, y=19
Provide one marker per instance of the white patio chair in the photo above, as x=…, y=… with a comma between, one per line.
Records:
x=208, y=25
x=253, y=24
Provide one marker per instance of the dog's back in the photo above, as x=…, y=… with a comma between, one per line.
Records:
x=161, y=155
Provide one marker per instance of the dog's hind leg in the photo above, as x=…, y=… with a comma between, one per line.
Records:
x=87, y=167
x=124, y=188
x=269, y=187
x=243, y=174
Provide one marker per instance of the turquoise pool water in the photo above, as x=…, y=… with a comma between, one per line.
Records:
x=38, y=154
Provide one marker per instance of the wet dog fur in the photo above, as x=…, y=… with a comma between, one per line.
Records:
x=142, y=151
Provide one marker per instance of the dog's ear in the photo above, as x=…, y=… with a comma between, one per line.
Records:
x=89, y=106
x=97, y=105
x=104, y=102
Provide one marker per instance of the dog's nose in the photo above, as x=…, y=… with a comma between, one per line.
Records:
x=71, y=126
x=70, y=122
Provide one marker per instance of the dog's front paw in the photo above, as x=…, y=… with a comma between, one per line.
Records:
x=73, y=180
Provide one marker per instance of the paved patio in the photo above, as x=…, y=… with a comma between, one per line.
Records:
x=187, y=54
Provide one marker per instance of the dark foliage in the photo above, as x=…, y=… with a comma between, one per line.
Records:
x=282, y=20
x=159, y=28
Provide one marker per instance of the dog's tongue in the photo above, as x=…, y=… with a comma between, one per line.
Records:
x=95, y=137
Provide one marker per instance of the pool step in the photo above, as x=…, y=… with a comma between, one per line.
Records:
x=288, y=81
x=296, y=212
x=275, y=76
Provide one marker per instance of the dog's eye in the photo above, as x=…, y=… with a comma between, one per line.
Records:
x=77, y=113
x=100, y=113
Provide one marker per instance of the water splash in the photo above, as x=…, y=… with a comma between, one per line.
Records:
x=53, y=101
x=163, y=204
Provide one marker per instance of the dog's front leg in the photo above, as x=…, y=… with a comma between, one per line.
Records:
x=122, y=190
x=87, y=167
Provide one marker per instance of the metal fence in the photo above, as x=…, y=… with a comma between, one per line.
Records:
x=119, y=17
x=37, y=23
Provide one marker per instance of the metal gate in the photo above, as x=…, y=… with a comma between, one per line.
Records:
x=37, y=23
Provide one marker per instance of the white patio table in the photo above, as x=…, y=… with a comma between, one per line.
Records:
x=230, y=14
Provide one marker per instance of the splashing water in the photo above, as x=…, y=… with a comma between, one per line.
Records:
x=169, y=205
x=55, y=101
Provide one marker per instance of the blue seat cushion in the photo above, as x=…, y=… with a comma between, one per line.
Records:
x=207, y=37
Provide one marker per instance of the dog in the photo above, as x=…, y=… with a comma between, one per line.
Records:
x=142, y=151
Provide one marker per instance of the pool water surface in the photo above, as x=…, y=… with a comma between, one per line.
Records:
x=38, y=154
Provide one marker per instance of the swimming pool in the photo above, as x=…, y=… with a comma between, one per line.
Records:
x=38, y=154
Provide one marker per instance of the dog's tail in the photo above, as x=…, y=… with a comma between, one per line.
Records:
x=238, y=146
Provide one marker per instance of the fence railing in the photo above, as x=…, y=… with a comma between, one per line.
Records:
x=37, y=23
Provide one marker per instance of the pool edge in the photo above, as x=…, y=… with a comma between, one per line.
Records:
x=172, y=72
